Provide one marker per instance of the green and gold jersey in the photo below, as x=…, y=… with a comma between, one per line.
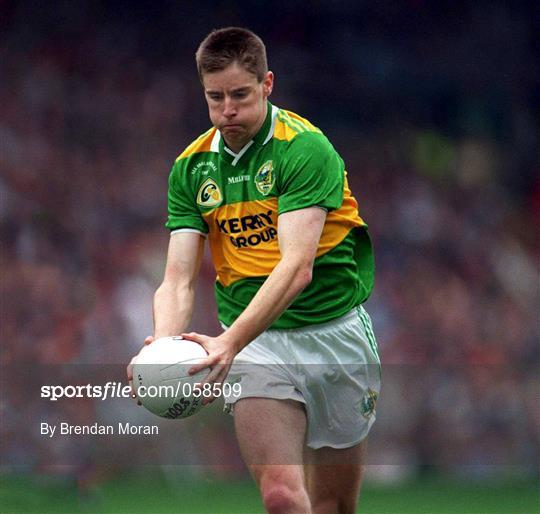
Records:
x=236, y=199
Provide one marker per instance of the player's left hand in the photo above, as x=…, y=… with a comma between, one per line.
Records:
x=221, y=353
x=129, y=370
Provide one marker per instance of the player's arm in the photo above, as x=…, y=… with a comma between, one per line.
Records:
x=299, y=232
x=173, y=300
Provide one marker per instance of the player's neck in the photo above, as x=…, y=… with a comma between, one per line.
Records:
x=237, y=145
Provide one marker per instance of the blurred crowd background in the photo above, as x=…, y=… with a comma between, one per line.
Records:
x=434, y=107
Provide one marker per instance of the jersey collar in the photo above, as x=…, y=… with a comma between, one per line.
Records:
x=261, y=138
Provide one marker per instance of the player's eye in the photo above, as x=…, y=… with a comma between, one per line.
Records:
x=215, y=96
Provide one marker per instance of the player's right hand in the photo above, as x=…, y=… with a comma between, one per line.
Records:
x=129, y=369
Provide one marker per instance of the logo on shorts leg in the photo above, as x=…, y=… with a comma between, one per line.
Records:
x=368, y=404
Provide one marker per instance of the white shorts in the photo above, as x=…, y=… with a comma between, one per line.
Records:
x=332, y=368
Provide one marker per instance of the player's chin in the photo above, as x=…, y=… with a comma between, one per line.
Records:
x=232, y=130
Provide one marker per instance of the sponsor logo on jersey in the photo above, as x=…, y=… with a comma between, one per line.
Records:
x=204, y=167
x=209, y=194
x=367, y=408
x=248, y=226
x=264, y=179
x=240, y=178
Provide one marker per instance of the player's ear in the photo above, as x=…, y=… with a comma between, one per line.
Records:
x=268, y=83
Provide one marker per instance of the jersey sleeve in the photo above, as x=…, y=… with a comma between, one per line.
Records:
x=182, y=209
x=311, y=174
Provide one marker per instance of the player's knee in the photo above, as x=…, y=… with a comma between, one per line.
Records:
x=281, y=499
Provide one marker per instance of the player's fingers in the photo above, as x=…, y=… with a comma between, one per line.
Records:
x=216, y=378
x=129, y=369
x=130, y=379
x=217, y=385
x=147, y=341
x=213, y=376
x=221, y=370
x=198, y=338
x=210, y=378
x=206, y=363
x=215, y=394
x=133, y=393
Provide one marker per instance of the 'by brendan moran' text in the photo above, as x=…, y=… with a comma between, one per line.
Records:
x=97, y=429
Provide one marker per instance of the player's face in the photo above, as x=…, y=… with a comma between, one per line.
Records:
x=237, y=103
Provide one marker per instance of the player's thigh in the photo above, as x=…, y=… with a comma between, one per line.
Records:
x=333, y=477
x=270, y=433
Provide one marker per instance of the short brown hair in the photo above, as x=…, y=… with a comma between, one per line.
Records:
x=223, y=47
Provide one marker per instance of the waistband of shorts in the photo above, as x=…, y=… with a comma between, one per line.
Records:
x=349, y=316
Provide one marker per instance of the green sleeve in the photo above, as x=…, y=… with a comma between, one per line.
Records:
x=311, y=174
x=183, y=211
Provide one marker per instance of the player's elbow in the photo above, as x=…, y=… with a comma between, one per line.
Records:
x=304, y=276
x=169, y=290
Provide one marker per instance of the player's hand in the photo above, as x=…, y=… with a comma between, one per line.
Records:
x=221, y=353
x=129, y=370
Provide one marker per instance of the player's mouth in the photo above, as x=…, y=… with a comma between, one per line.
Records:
x=232, y=126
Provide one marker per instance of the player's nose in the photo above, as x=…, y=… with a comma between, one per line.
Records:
x=229, y=109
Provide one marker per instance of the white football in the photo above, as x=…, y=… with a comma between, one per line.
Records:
x=161, y=379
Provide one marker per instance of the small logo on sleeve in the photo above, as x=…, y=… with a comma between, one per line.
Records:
x=264, y=179
x=209, y=194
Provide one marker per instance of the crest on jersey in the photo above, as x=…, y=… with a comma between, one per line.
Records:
x=209, y=194
x=367, y=408
x=264, y=178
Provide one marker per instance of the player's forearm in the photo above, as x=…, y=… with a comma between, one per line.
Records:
x=173, y=308
x=288, y=279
